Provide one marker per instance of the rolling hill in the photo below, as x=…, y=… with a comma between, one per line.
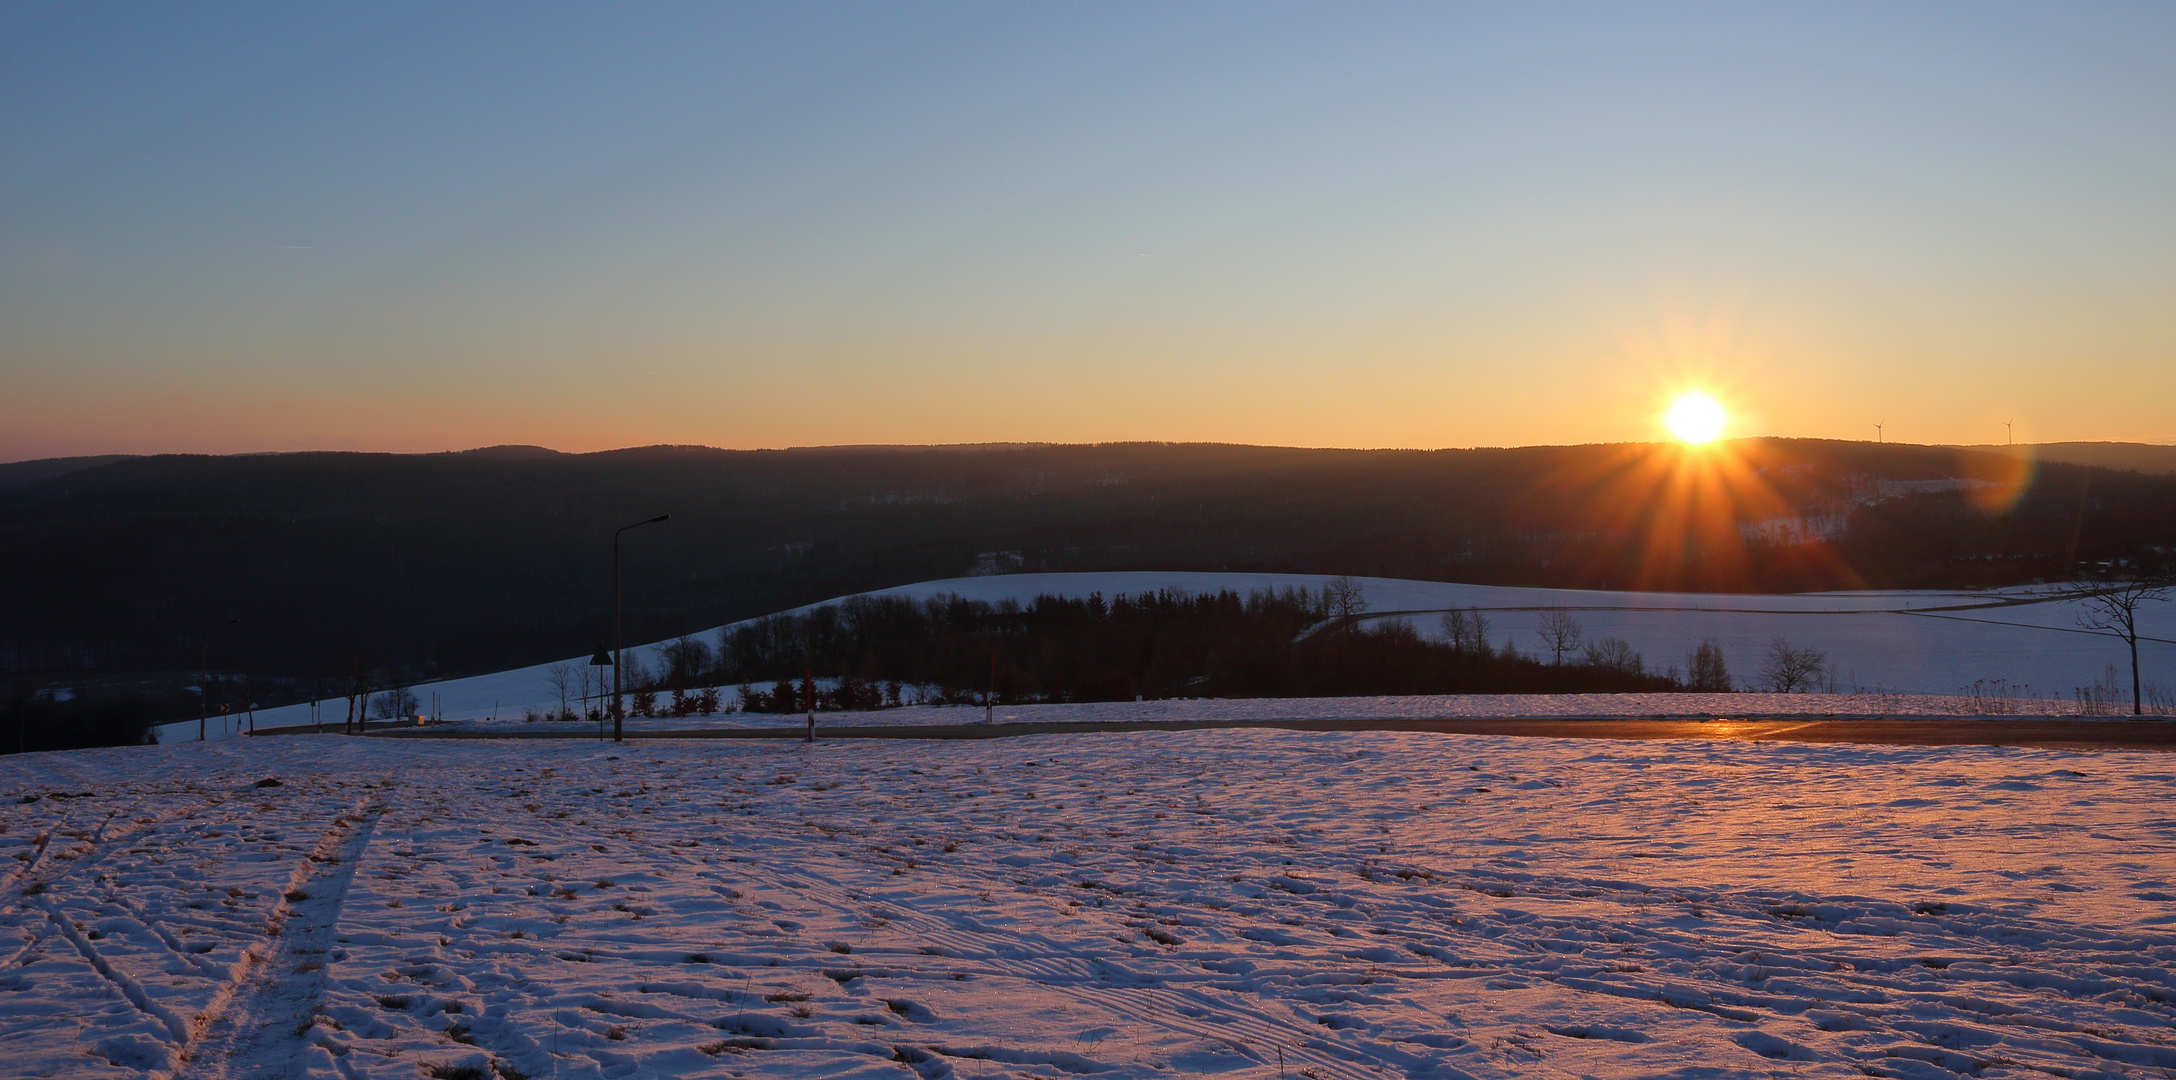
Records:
x=448, y=564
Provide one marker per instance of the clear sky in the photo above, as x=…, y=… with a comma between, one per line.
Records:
x=377, y=226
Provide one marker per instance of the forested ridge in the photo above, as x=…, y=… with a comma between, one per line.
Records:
x=298, y=566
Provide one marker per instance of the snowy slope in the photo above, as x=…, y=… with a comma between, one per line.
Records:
x=1249, y=904
x=1907, y=642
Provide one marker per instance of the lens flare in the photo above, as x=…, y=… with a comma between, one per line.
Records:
x=1695, y=418
x=1683, y=517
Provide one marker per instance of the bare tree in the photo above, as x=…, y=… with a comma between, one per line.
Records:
x=1615, y=654
x=1560, y=632
x=1787, y=669
x=2113, y=609
x=1467, y=631
x=565, y=686
x=1345, y=599
x=1704, y=668
x=396, y=702
x=357, y=690
x=636, y=674
x=687, y=662
x=1458, y=630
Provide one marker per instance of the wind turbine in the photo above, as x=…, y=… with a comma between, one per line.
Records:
x=2010, y=431
x=1877, y=431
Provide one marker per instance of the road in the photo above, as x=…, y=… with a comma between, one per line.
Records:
x=2112, y=734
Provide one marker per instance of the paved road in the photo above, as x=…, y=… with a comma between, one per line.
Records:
x=2114, y=734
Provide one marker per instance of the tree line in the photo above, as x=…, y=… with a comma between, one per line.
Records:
x=877, y=651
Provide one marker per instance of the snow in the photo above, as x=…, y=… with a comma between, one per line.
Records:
x=1415, y=707
x=1885, y=643
x=1246, y=903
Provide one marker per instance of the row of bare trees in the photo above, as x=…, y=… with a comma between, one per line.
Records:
x=384, y=693
x=1785, y=668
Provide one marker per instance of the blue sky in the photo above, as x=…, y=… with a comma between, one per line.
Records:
x=426, y=227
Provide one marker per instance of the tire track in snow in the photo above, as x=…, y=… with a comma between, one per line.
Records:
x=158, y=930
x=273, y=1006
x=98, y=846
x=129, y=988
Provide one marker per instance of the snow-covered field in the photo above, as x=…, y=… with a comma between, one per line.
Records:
x=1886, y=643
x=1248, y=903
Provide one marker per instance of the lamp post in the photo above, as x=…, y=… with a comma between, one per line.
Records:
x=204, y=671
x=618, y=642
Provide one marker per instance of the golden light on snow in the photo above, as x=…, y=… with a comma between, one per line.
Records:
x=1694, y=418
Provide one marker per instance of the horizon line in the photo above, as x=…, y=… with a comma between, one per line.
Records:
x=540, y=450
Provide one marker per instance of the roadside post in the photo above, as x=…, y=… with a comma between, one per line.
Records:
x=602, y=659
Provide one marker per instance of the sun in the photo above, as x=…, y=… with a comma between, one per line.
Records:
x=1695, y=418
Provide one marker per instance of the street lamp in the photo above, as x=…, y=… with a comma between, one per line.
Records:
x=204, y=671
x=617, y=639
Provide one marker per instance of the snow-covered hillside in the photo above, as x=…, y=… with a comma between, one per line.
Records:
x=1883, y=642
x=1257, y=904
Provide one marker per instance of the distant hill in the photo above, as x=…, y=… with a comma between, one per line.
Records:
x=2140, y=457
x=512, y=452
x=16, y=474
x=493, y=559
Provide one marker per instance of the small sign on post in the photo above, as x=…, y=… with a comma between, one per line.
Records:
x=602, y=659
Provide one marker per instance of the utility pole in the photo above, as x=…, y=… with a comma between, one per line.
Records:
x=989, y=699
x=808, y=699
x=618, y=640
